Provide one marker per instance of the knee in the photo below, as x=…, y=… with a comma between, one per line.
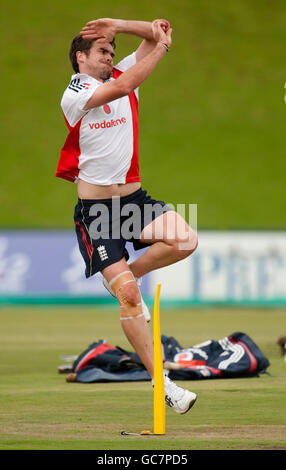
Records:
x=131, y=294
x=186, y=247
x=129, y=300
x=193, y=243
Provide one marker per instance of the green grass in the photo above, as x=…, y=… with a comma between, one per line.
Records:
x=39, y=410
x=212, y=116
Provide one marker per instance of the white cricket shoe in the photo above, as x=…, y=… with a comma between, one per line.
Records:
x=145, y=309
x=178, y=398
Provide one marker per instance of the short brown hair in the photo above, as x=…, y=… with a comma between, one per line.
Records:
x=83, y=45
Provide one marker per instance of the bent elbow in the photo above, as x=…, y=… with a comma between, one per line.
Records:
x=124, y=89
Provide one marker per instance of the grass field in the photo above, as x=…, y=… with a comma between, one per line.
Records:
x=39, y=410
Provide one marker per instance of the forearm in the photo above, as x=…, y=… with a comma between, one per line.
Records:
x=108, y=28
x=142, y=29
x=137, y=74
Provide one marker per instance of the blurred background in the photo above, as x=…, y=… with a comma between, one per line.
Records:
x=212, y=133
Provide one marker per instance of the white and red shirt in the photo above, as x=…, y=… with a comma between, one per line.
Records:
x=102, y=144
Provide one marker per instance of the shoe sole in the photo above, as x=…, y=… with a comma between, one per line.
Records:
x=192, y=402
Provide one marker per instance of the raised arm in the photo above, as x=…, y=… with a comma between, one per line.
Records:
x=108, y=28
x=136, y=75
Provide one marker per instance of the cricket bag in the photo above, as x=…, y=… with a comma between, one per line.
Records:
x=233, y=356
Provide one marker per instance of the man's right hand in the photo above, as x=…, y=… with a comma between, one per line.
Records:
x=162, y=32
x=104, y=28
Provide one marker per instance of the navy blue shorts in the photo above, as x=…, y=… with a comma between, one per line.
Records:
x=103, y=227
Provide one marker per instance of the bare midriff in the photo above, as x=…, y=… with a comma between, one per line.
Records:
x=94, y=191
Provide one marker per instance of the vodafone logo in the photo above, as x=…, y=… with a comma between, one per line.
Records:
x=107, y=109
x=106, y=124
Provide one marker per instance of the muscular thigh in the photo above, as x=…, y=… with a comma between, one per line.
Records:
x=114, y=269
x=170, y=227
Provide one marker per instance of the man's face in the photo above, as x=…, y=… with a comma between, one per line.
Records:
x=99, y=62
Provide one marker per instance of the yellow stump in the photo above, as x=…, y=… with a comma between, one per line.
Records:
x=159, y=413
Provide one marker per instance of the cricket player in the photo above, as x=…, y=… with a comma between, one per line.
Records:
x=100, y=107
